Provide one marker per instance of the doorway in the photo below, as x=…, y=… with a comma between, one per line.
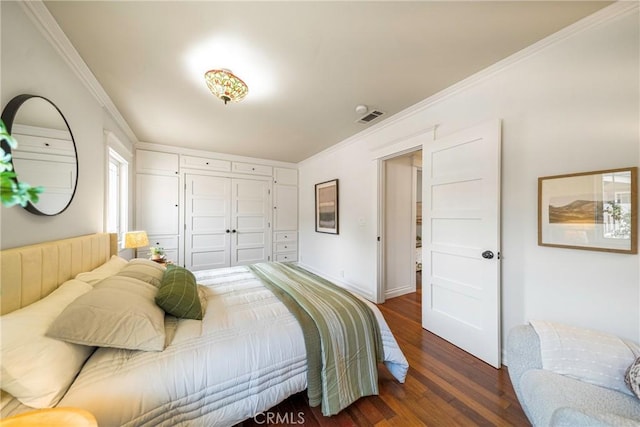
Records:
x=402, y=226
x=460, y=236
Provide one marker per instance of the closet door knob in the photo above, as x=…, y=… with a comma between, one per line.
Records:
x=233, y=231
x=228, y=231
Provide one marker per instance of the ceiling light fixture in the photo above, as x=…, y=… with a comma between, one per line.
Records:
x=226, y=85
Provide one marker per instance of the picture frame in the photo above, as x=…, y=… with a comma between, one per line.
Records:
x=596, y=211
x=327, y=212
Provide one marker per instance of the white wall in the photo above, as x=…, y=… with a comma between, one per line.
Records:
x=30, y=64
x=571, y=106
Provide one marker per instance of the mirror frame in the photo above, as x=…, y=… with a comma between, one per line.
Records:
x=8, y=115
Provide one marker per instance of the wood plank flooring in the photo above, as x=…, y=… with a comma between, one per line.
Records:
x=445, y=386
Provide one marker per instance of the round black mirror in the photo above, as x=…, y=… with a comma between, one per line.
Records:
x=46, y=154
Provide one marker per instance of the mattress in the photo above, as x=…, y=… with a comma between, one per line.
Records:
x=245, y=356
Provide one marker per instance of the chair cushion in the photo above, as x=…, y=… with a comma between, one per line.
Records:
x=544, y=392
x=588, y=355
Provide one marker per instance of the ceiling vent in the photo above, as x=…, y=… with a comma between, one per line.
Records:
x=369, y=117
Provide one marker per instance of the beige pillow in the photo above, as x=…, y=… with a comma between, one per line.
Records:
x=109, y=268
x=35, y=369
x=145, y=270
x=119, y=312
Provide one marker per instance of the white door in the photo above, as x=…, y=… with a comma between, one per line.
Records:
x=250, y=212
x=285, y=207
x=208, y=222
x=157, y=204
x=461, y=240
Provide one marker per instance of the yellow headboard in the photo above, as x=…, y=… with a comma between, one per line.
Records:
x=29, y=273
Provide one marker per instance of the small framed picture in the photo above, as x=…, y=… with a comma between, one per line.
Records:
x=327, y=207
x=594, y=211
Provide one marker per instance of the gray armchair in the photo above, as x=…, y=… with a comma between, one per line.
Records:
x=551, y=399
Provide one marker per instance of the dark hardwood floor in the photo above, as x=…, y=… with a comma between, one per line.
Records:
x=445, y=386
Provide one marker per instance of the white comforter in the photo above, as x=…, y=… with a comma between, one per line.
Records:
x=246, y=356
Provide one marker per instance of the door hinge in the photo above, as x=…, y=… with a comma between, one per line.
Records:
x=268, y=257
x=269, y=191
x=268, y=225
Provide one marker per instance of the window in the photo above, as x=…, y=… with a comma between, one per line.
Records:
x=616, y=206
x=117, y=205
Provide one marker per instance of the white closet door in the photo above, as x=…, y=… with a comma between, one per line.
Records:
x=208, y=222
x=157, y=204
x=285, y=215
x=250, y=236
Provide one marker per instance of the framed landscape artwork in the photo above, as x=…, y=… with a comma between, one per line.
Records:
x=591, y=210
x=327, y=207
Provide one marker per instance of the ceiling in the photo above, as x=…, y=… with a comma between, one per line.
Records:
x=307, y=64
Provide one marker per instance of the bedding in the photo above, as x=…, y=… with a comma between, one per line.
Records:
x=143, y=269
x=109, y=268
x=246, y=355
x=27, y=355
x=342, y=332
x=120, y=311
x=178, y=293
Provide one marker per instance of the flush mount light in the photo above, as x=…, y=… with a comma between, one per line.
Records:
x=226, y=85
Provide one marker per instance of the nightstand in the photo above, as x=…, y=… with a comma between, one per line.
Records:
x=53, y=417
x=164, y=262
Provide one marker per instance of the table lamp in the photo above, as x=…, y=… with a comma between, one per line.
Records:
x=135, y=239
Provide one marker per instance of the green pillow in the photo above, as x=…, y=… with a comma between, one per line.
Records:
x=178, y=293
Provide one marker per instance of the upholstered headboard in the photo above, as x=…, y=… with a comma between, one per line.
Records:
x=29, y=273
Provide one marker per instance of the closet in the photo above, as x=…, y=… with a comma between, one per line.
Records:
x=227, y=221
x=157, y=200
x=212, y=210
x=285, y=214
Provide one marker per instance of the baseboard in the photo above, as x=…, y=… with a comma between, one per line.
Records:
x=398, y=292
x=340, y=282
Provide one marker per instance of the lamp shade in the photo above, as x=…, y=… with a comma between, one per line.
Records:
x=225, y=85
x=135, y=239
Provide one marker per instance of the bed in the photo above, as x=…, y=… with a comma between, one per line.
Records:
x=246, y=355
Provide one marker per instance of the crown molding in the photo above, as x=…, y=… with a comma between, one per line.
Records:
x=612, y=12
x=47, y=25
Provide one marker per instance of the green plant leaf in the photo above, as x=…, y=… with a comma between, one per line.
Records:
x=4, y=135
x=12, y=192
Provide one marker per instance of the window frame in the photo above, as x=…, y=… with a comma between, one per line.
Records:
x=119, y=156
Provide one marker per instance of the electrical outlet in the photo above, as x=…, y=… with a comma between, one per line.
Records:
x=341, y=273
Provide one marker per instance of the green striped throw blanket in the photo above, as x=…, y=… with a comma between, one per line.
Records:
x=342, y=335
